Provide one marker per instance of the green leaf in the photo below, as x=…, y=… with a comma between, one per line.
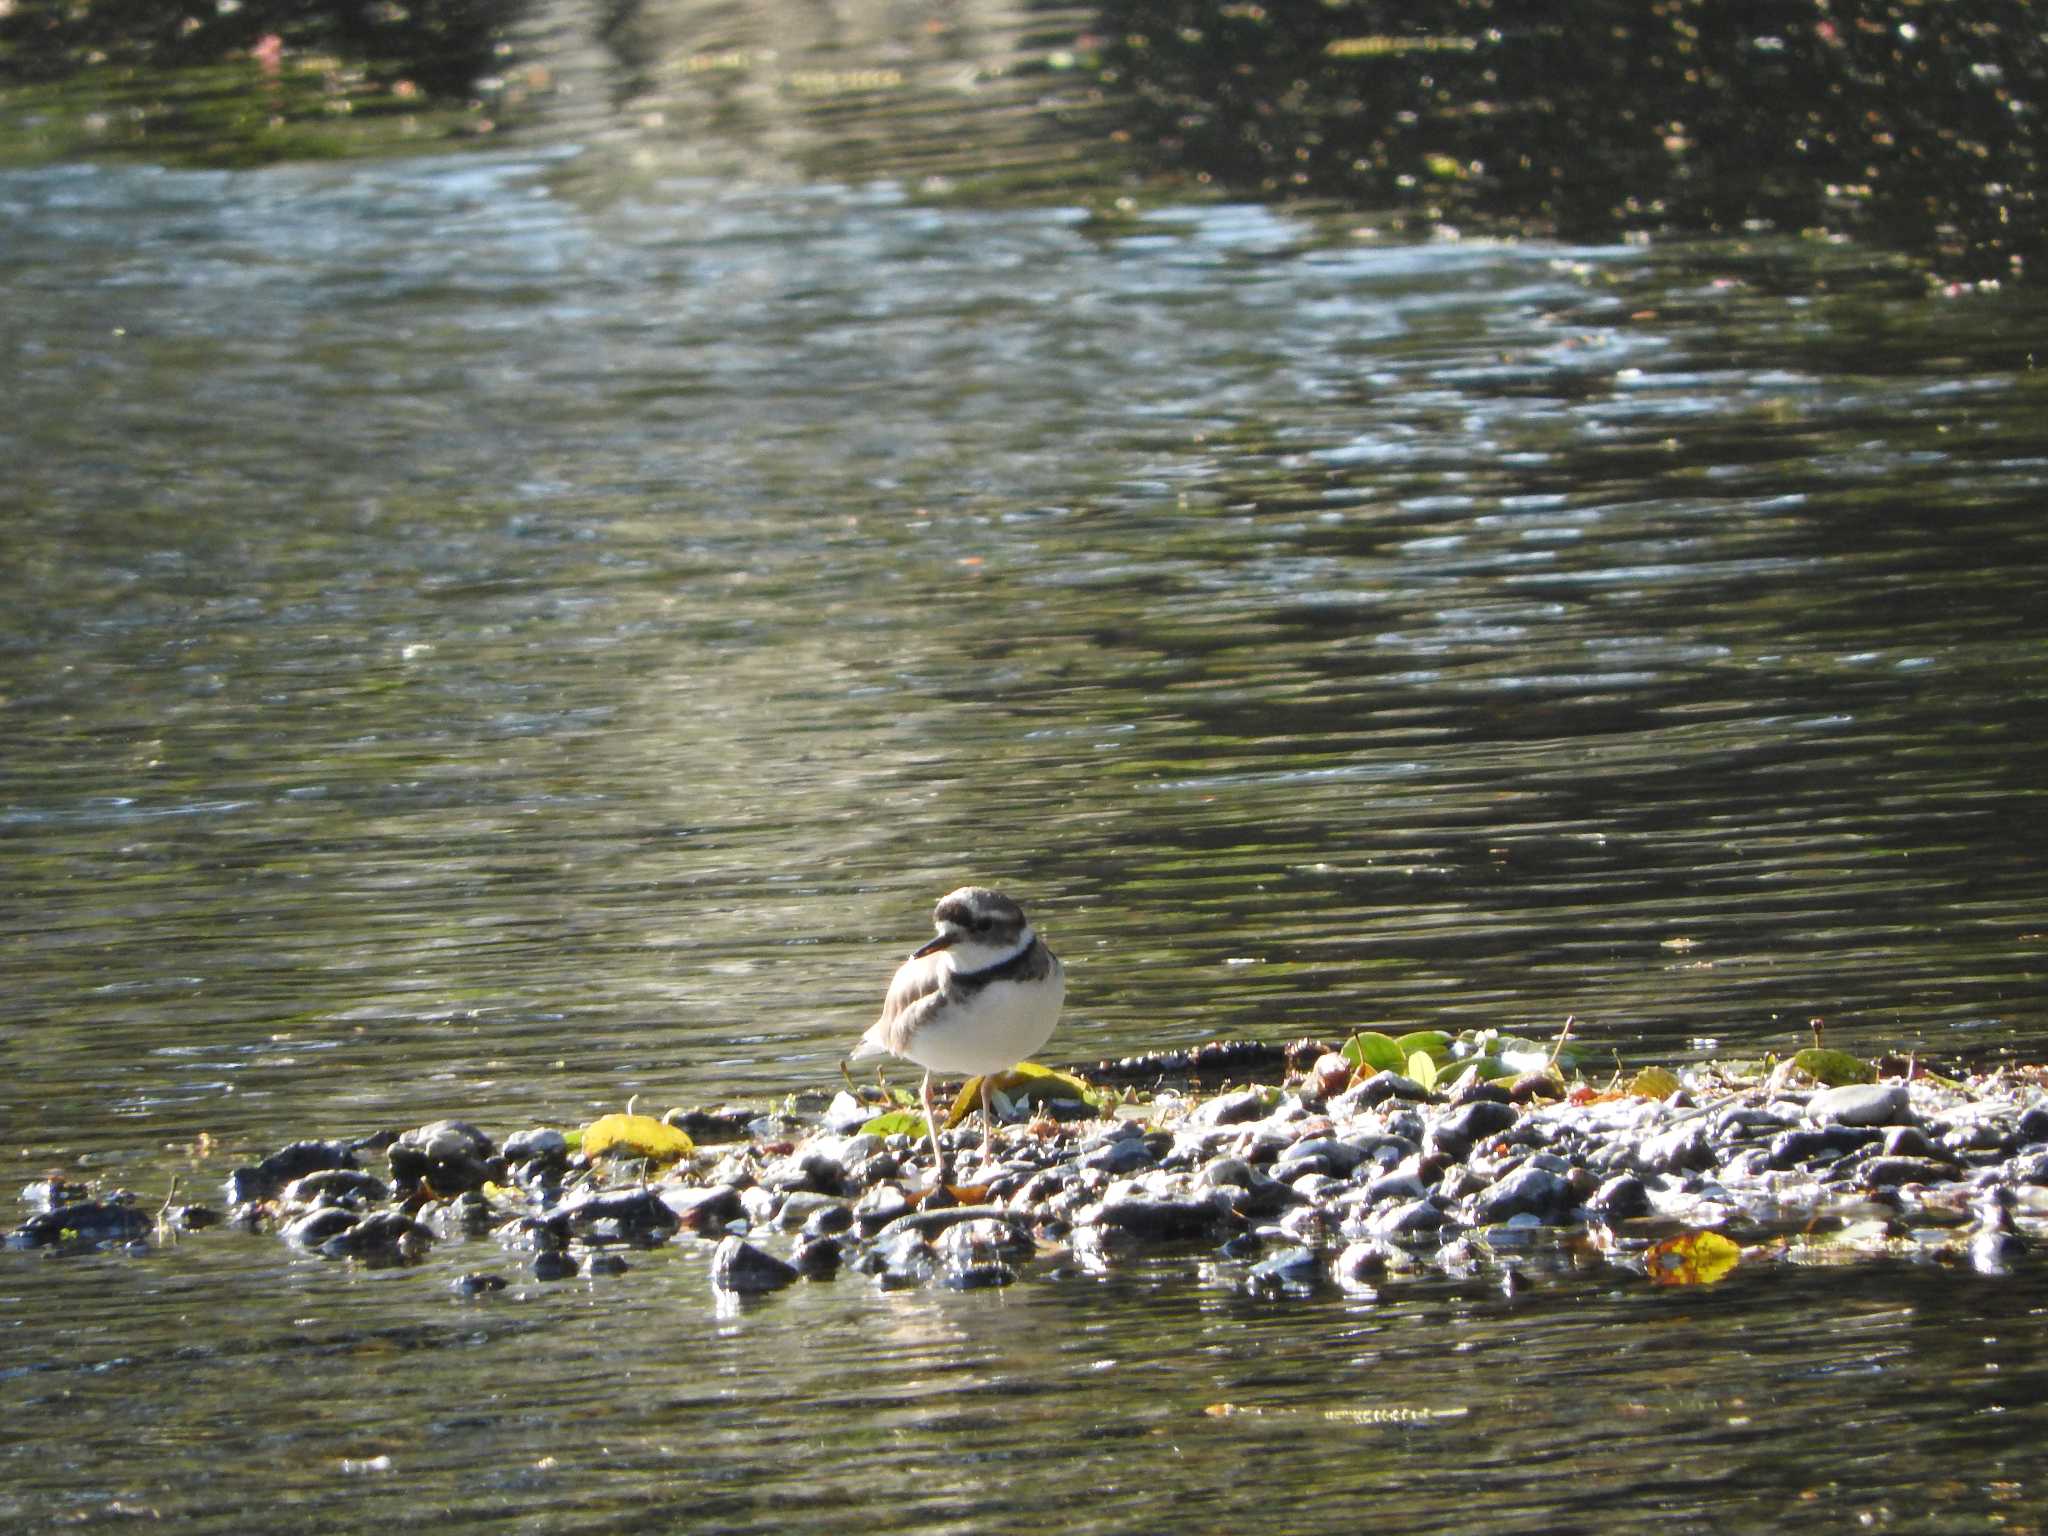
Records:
x=1433, y=1043
x=1375, y=1052
x=1832, y=1069
x=1422, y=1067
x=897, y=1122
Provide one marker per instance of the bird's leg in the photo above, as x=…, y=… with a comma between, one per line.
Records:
x=931, y=1125
x=988, y=1116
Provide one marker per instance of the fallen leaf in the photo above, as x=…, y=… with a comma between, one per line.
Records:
x=639, y=1135
x=1691, y=1258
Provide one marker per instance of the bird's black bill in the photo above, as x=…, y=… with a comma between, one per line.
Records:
x=934, y=945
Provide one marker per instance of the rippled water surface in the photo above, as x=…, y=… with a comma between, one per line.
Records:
x=480, y=641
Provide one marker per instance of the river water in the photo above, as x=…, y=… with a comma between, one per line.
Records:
x=487, y=637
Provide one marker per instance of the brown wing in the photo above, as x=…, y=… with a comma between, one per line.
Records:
x=916, y=992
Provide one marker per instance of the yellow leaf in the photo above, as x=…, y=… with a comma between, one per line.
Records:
x=1027, y=1080
x=1691, y=1258
x=1654, y=1083
x=638, y=1135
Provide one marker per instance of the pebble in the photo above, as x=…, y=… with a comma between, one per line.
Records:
x=1860, y=1104
x=1281, y=1193
x=739, y=1268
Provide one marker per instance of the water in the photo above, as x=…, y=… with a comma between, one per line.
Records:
x=483, y=640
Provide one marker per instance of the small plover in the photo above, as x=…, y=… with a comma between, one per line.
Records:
x=979, y=997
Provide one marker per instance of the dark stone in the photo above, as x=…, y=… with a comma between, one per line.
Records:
x=444, y=1158
x=542, y=1147
x=1795, y=1149
x=1889, y=1172
x=1417, y=1218
x=1291, y=1273
x=318, y=1225
x=48, y=1194
x=1476, y=1090
x=336, y=1186
x=1230, y=1108
x=1376, y=1090
x=608, y=1264
x=1458, y=1132
x=1528, y=1191
x=711, y=1126
x=703, y=1211
x=876, y=1209
x=2033, y=1123
x=1620, y=1198
x=193, y=1218
x=739, y=1268
x=477, y=1283
x=389, y=1236
x=1125, y=1155
x=555, y=1264
x=266, y=1179
x=1684, y=1148
x=1162, y=1220
x=1911, y=1141
x=818, y=1258
x=1399, y=1184
x=87, y=1223
x=637, y=1215
x=929, y=1223
x=828, y=1221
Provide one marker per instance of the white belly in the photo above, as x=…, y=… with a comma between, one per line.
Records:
x=997, y=1027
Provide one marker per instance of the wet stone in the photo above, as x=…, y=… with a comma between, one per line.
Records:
x=608, y=1264
x=2032, y=1125
x=315, y=1228
x=1528, y=1191
x=447, y=1157
x=703, y=1211
x=1230, y=1108
x=828, y=1220
x=798, y=1209
x=636, y=1215
x=543, y=1146
x=1621, y=1198
x=477, y=1283
x=1376, y=1090
x=818, y=1258
x=1795, y=1149
x=1454, y=1135
x=1685, y=1147
x=1161, y=1220
x=1415, y=1218
x=554, y=1264
x=1889, y=1172
x=847, y=1114
x=336, y=1186
x=266, y=1179
x=1361, y=1266
x=389, y=1235
x=88, y=1223
x=49, y=1194
x=739, y=1268
x=1292, y=1273
x=1861, y=1104
x=1123, y=1156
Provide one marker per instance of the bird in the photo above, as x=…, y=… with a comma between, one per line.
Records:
x=978, y=997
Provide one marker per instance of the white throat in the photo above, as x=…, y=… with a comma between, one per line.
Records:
x=971, y=954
